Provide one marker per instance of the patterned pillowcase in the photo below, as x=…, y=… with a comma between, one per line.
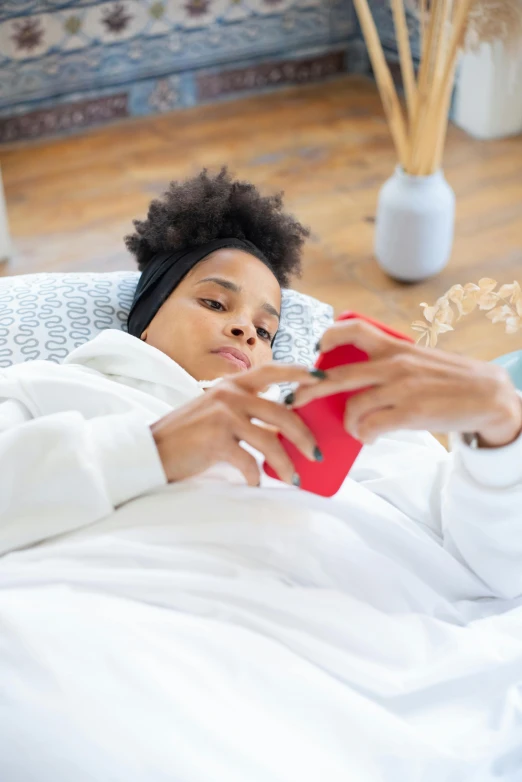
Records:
x=45, y=316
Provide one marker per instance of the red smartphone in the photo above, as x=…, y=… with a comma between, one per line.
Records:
x=325, y=419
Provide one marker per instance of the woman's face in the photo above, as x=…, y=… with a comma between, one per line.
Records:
x=221, y=318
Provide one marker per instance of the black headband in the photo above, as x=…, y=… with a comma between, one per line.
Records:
x=164, y=273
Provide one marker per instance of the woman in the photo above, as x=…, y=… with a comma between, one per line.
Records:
x=214, y=309
x=187, y=626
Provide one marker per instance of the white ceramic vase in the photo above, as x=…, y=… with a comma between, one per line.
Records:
x=414, y=225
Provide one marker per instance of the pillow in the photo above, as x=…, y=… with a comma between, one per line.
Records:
x=45, y=316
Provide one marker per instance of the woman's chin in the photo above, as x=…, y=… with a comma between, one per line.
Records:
x=215, y=369
x=229, y=366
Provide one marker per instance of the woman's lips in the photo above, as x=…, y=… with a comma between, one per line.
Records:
x=235, y=357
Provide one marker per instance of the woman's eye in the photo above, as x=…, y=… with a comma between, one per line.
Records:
x=214, y=305
x=263, y=333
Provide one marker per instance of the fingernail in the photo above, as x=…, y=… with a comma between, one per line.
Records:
x=289, y=398
x=296, y=480
x=318, y=454
x=317, y=346
x=319, y=374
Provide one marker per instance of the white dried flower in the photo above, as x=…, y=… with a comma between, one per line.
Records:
x=502, y=306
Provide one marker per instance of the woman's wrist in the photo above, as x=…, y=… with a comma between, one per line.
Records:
x=162, y=447
x=504, y=424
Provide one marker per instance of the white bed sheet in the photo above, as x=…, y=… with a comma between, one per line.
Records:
x=209, y=632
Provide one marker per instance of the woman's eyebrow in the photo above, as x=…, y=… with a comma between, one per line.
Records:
x=271, y=311
x=231, y=286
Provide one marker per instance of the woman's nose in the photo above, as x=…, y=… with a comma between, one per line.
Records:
x=244, y=331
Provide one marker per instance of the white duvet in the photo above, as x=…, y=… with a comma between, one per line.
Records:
x=211, y=632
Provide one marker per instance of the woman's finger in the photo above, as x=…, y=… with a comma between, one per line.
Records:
x=269, y=445
x=350, y=377
x=256, y=380
x=412, y=366
x=288, y=423
x=362, y=335
x=366, y=403
x=244, y=462
x=380, y=422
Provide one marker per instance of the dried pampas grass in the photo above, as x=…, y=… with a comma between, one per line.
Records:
x=446, y=27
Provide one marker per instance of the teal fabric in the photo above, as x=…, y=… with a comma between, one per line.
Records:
x=513, y=363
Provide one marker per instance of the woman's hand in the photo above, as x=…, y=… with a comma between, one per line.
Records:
x=409, y=387
x=209, y=429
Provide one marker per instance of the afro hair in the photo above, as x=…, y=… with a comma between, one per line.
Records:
x=206, y=207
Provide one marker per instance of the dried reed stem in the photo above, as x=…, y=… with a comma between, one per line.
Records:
x=434, y=120
x=414, y=162
x=422, y=25
x=443, y=28
x=403, y=42
x=390, y=100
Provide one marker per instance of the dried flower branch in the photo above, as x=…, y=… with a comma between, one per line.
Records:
x=488, y=21
x=494, y=20
x=502, y=306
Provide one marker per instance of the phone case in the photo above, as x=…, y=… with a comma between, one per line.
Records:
x=325, y=418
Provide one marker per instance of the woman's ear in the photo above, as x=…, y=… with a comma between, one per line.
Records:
x=144, y=335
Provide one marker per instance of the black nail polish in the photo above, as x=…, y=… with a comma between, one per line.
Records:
x=318, y=454
x=319, y=374
x=318, y=347
x=289, y=398
x=296, y=480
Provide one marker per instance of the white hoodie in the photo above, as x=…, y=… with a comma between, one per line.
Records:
x=210, y=631
x=75, y=443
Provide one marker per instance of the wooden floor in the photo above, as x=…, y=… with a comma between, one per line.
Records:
x=71, y=200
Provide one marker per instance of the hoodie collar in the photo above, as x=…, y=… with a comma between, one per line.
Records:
x=122, y=357
x=117, y=354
